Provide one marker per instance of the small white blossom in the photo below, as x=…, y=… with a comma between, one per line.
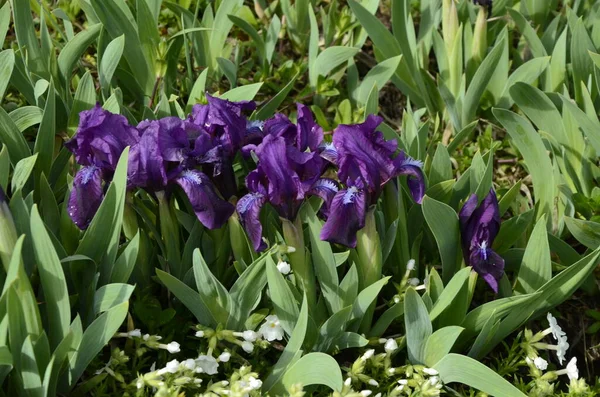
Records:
x=171, y=367
x=254, y=383
x=172, y=347
x=572, y=371
x=366, y=393
x=556, y=330
x=224, y=357
x=392, y=371
x=396, y=299
x=247, y=346
x=373, y=382
x=402, y=381
x=410, y=266
x=190, y=363
x=271, y=329
x=146, y=337
x=250, y=336
x=368, y=354
x=414, y=281
x=434, y=380
x=284, y=267
x=348, y=382
x=136, y=333
x=430, y=371
x=561, y=349
x=140, y=383
x=540, y=363
x=199, y=334
x=208, y=364
x=390, y=346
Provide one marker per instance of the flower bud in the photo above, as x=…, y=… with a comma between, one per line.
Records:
x=449, y=23
x=479, y=44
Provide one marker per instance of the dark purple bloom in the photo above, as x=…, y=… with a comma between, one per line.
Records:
x=306, y=134
x=484, y=3
x=479, y=225
x=347, y=216
x=161, y=158
x=366, y=162
x=101, y=138
x=86, y=196
x=284, y=177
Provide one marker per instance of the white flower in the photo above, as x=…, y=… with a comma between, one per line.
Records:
x=247, y=346
x=561, y=349
x=540, y=363
x=146, y=337
x=403, y=382
x=283, y=267
x=173, y=347
x=396, y=299
x=414, y=281
x=208, y=364
x=572, y=371
x=410, y=265
x=373, y=382
x=368, y=354
x=250, y=336
x=271, y=329
x=348, y=382
x=224, y=357
x=556, y=330
x=430, y=371
x=392, y=371
x=434, y=380
x=199, y=334
x=136, y=333
x=190, y=363
x=366, y=393
x=140, y=383
x=390, y=346
x=171, y=367
x=254, y=383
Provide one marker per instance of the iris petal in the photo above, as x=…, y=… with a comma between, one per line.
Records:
x=326, y=189
x=86, y=196
x=309, y=134
x=416, y=179
x=146, y=167
x=489, y=265
x=211, y=210
x=248, y=208
x=347, y=214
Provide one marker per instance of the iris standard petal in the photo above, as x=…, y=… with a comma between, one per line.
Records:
x=101, y=138
x=212, y=211
x=248, y=208
x=413, y=169
x=488, y=264
x=86, y=196
x=326, y=189
x=146, y=166
x=347, y=214
x=308, y=133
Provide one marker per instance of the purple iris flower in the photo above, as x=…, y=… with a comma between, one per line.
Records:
x=366, y=162
x=305, y=134
x=166, y=154
x=479, y=225
x=225, y=123
x=285, y=176
x=100, y=139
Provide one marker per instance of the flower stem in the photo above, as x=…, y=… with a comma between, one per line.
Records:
x=300, y=263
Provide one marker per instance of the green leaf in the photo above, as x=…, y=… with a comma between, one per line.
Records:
x=191, y=299
x=532, y=148
x=197, y=90
x=110, y=60
x=6, y=361
x=443, y=222
x=440, y=343
x=283, y=299
x=73, y=51
x=32, y=382
x=95, y=337
x=328, y=60
x=7, y=63
x=526, y=73
x=586, y=232
x=479, y=83
x=26, y=37
x=314, y=369
x=292, y=351
x=111, y=295
x=450, y=293
x=12, y=138
x=418, y=326
x=53, y=281
x=22, y=172
x=126, y=261
x=244, y=93
x=210, y=288
x=229, y=69
x=386, y=319
x=4, y=168
x=44, y=142
x=26, y=116
x=247, y=290
x=4, y=24
x=257, y=40
x=536, y=267
x=324, y=264
x=376, y=77
x=441, y=166
x=271, y=106
x=511, y=230
x=465, y=370
x=583, y=67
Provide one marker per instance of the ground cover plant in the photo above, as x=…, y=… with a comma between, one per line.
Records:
x=298, y=198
